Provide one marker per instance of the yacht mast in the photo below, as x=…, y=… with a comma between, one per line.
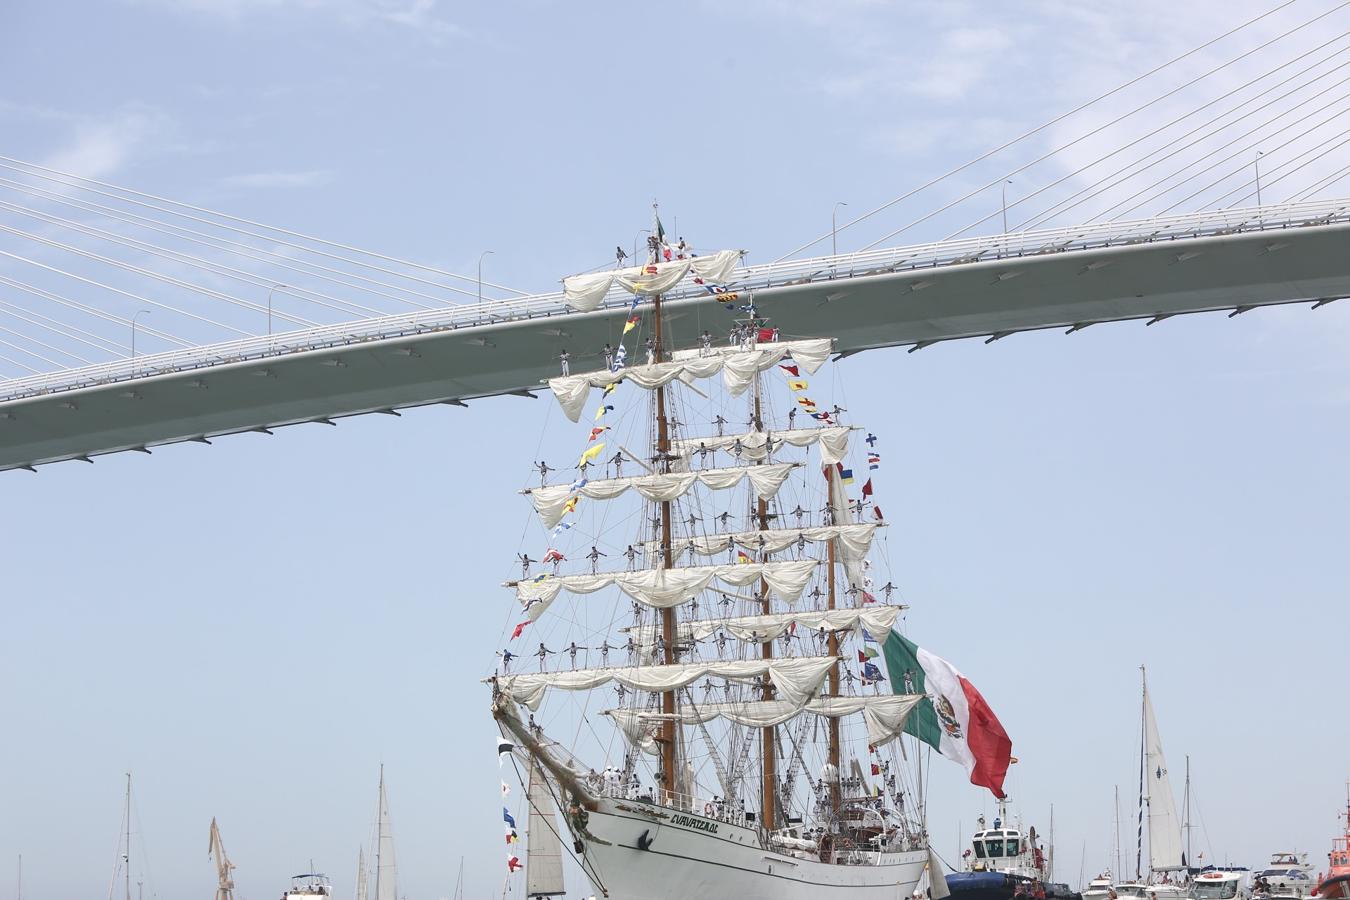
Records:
x=1115, y=870
x=127, y=856
x=670, y=728
x=1186, y=810
x=1143, y=751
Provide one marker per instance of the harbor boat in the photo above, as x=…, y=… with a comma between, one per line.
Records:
x=1166, y=875
x=1002, y=864
x=1218, y=884
x=1100, y=888
x=755, y=682
x=309, y=886
x=1335, y=885
x=1286, y=875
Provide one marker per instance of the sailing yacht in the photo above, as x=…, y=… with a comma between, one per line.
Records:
x=386, y=871
x=1158, y=805
x=752, y=758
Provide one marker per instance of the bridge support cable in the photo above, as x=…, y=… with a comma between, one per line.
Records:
x=1311, y=158
x=82, y=183
x=1032, y=132
x=137, y=297
x=79, y=335
x=1248, y=135
x=94, y=312
x=32, y=340
x=1322, y=185
x=18, y=365
x=1133, y=169
x=1099, y=129
x=160, y=276
x=260, y=254
x=195, y=262
x=1248, y=148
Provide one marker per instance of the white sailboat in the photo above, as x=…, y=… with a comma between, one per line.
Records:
x=731, y=694
x=1157, y=804
x=361, y=873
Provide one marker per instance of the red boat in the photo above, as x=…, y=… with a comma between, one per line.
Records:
x=1336, y=884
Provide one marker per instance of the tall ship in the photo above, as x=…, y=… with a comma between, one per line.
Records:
x=745, y=656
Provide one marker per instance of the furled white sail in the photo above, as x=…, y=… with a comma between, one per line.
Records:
x=737, y=365
x=662, y=588
x=795, y=679
x=584, y=292
x=543, y=854
x=1164, y=828
x=386, y=872
x=851, y=541
x=550, y=502
x=885, y=715
x=756, y=445
x=878, y=620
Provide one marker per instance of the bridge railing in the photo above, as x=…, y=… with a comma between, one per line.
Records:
x=936, y=254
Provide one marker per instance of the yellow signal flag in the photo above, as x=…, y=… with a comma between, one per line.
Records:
x=592, y=452
x=807, y=402
x=797, y=384
x=609, y=388
x=570, y=505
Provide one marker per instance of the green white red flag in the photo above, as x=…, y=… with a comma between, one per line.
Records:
x=955, y=720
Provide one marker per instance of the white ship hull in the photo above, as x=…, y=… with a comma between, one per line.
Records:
x=695, y=856
x=1168, y=891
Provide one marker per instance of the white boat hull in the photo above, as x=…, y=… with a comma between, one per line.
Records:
x=689, y=855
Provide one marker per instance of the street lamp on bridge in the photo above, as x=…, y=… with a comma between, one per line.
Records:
x=143, y=312
x=834, y=228
x=480, y=273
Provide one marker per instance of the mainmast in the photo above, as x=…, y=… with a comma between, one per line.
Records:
x=768, y=735
x=833, y=644
x=670, y=728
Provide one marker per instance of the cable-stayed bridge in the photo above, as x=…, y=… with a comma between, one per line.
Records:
x=991, y=287
x=130, y=320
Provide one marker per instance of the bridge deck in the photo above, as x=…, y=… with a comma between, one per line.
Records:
x=989, y=286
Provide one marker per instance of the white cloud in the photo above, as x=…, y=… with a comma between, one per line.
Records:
x=418, y=15
x=104, y=145
x=280, y=179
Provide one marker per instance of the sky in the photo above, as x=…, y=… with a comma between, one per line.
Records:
x=253, y=628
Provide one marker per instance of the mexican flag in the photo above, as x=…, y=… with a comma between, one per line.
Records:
x=955, y=720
